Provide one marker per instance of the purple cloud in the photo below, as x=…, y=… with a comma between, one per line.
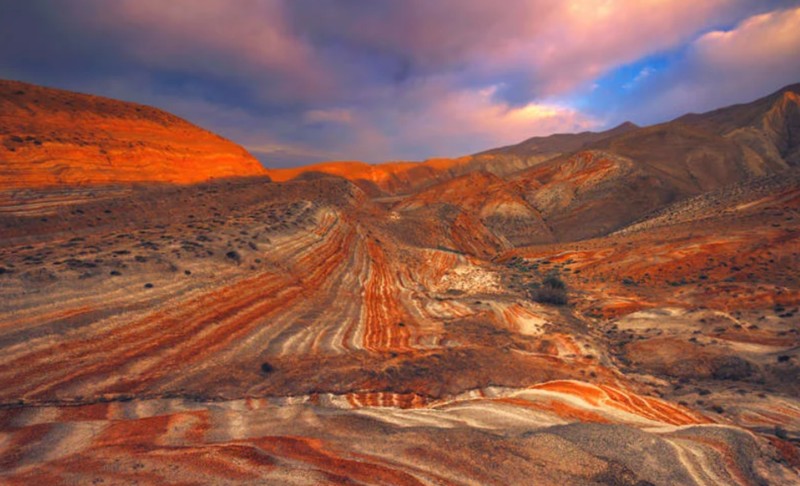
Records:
x=386, y=80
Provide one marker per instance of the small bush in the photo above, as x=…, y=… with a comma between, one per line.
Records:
x=731, y=368
x=554, y=281
x=547, y=295
x=553, y=291
x=266, y=367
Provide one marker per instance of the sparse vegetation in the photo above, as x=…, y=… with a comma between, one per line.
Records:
x=552, y=291
x=731, y=368
x=234, y=255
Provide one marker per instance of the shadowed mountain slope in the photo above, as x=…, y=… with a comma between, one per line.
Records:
x=619, y=179
x=770, y=126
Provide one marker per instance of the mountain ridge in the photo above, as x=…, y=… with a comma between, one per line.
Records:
x=623, y=314
x=53, y=137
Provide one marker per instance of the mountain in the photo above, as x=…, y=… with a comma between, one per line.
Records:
x=50, y=137
x=590, y=184
x=616, y=309
x=559, y=143
x=408, y=177
x=487, y=198
x=770, y=126
x=615, y=180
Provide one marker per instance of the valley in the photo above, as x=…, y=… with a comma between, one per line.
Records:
x=389, y=325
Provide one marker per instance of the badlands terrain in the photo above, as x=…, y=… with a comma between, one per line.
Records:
x=596, y=308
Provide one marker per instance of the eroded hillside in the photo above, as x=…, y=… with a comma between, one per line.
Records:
x=50, y=137
x=565, y=324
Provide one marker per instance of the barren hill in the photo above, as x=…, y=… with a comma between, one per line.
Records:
x=50, y=137
x=437, y=323
x=617, y=180
x=560, y=143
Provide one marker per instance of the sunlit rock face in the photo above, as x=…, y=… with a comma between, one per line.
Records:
x=50, y=137
x=319, y=331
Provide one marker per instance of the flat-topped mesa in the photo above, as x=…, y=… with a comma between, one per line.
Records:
x=50, y=137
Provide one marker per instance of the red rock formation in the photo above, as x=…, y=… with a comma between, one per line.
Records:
x=50, y=137
x=242, y=332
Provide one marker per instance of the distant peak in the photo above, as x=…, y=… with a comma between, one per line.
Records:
x=627, y=125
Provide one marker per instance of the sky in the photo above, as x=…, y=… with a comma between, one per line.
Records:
x=303, y=81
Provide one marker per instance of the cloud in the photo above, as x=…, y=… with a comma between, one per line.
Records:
x=754, y=58
x=538, y=48
x=334, y=115
x=584, y=39
x=474, y=119
x=645, y=73
x=250, y=43
x=436, y=120
x=394, y=80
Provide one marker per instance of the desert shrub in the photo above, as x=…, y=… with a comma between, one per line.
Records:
x=234, y=255
x=552, y=291
x=731, y=368
x=554, y=281
x=552, y=296
x=266, y=367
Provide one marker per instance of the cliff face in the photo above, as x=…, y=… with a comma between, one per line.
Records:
x=51, y=137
